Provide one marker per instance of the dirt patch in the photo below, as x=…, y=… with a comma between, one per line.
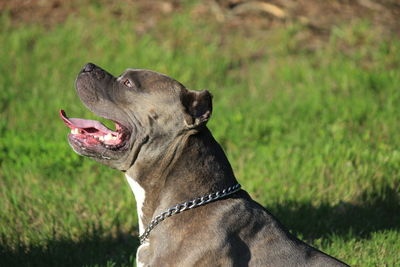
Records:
x=38, y=11
x=318, y=15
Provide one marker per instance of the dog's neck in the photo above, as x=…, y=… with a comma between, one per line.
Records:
x=192, y=166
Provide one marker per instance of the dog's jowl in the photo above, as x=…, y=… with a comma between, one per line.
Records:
x=192, y=211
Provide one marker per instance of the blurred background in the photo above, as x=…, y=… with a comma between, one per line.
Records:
x=306, y=98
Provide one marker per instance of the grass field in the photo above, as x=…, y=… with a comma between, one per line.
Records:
x=312, y=134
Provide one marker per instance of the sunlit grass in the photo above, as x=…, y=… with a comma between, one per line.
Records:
x=311, y=134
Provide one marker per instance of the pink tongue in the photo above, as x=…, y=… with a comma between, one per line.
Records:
x=83, y=124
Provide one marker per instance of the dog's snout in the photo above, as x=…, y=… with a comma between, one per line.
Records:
x=94, y=71
x=88, y=67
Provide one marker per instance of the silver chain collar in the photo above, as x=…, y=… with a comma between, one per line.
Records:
x=191, y=204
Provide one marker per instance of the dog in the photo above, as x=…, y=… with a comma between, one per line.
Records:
x=191, y=209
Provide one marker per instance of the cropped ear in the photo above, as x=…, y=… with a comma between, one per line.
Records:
x=198, y=107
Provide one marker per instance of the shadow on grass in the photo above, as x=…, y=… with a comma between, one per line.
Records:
x=91, y=250
x=372, y=213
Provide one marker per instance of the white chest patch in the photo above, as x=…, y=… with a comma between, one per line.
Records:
x=140, y=249
x=140, y=195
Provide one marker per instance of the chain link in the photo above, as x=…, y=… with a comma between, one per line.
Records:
x=191, y=204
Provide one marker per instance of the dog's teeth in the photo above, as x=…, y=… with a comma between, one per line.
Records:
x=108, y=137
x=101, y=138
x=75, y=131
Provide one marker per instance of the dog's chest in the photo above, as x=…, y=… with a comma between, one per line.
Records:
x=141, y=255
x=140, y=196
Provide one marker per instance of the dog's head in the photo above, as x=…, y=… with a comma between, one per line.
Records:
x=146, y=106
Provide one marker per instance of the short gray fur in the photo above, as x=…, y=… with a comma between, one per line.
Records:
x=169, y=151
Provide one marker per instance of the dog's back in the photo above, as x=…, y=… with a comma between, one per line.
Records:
x=237, y=231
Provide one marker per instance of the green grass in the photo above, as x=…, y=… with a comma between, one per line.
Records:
x=312, y=134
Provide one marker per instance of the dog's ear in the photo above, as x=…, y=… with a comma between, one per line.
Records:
x=198, y=107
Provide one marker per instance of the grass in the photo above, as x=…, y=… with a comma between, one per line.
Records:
x=312, y=134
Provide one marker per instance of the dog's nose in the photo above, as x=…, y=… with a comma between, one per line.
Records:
x=88, y=67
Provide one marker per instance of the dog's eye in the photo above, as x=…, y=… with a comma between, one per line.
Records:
x=128, y=83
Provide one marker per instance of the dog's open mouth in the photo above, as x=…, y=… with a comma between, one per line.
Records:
x=93, y=133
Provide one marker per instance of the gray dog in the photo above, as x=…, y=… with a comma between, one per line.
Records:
x=192, y=211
